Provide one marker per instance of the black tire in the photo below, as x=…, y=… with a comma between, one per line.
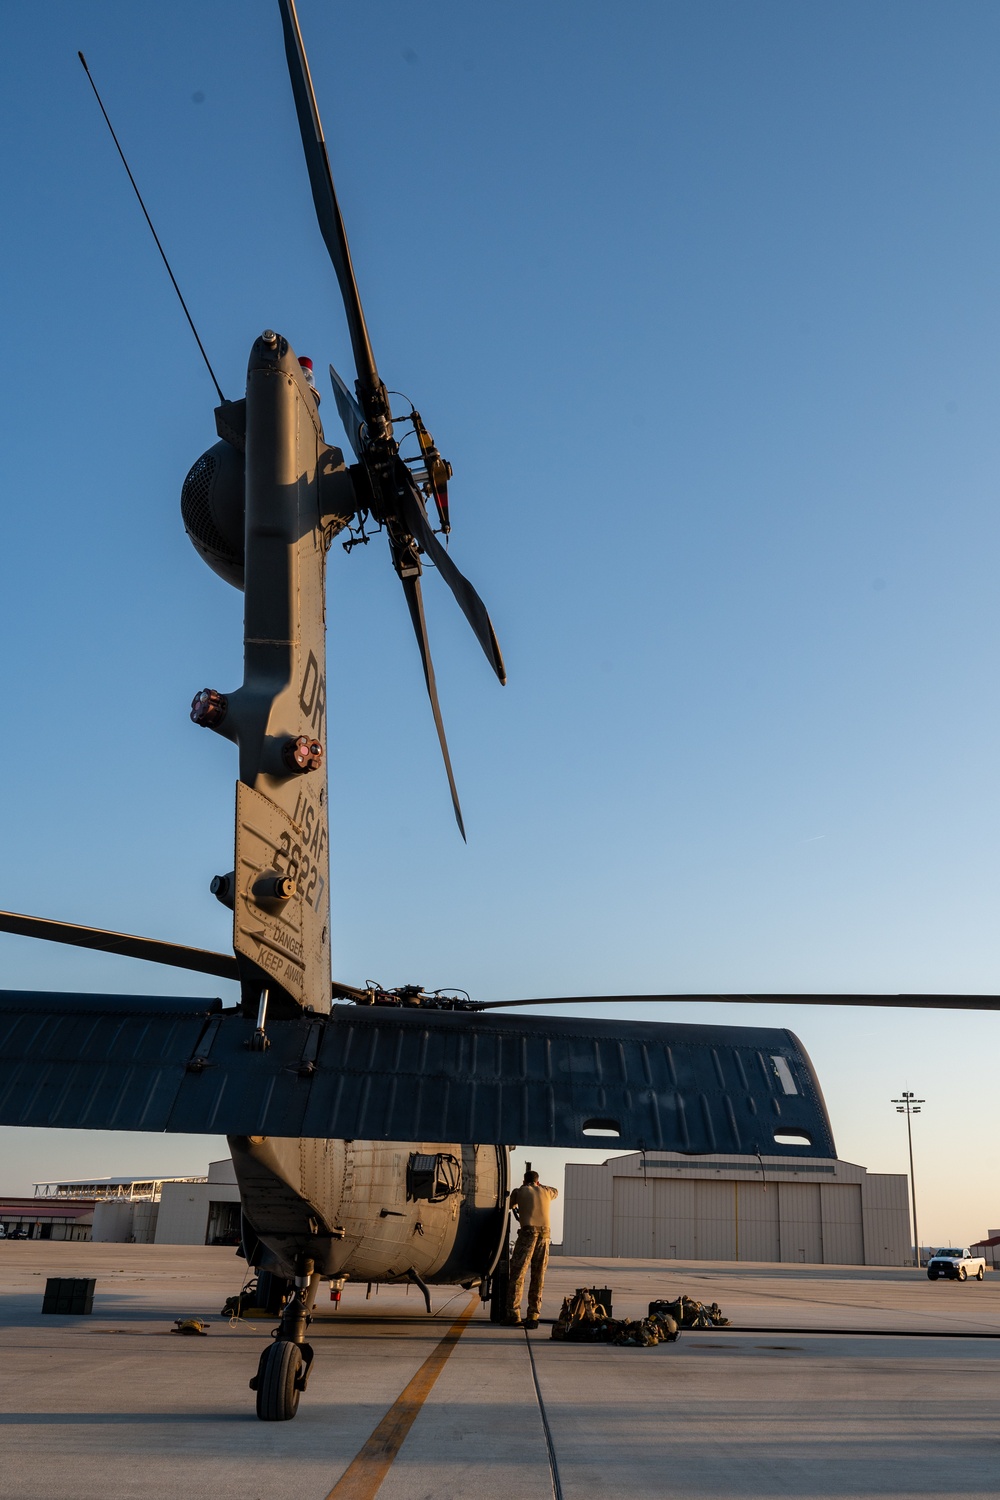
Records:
x=980, y=1274
x=277, y=1397
x=932, y=1276
x=271, y=1292
x=963, y=1274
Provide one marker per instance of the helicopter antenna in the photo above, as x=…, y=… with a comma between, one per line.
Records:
x=152, y=231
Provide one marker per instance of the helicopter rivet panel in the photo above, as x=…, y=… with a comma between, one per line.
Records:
x=277, y=929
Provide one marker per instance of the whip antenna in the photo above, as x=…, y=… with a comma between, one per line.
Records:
x=152, y=231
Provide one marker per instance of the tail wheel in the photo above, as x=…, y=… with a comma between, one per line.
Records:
x=980, y=1274
x=963, y=1274
x=277, y=1393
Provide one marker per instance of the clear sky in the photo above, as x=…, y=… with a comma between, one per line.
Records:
x=701, y=301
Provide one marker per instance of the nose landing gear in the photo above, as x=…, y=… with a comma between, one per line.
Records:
x=283, y=1368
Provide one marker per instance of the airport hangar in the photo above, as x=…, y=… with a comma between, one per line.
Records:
x=666, y=1206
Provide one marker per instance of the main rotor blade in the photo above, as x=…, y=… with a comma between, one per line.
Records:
x=175, y=955
x=152, y=950
x=350, y=412
x=473, y=608
x=324, y=194
x=415, y=601
x=894, y=1002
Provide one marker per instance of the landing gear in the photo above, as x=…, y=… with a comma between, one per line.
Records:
x=283, y=1368
x=271, y=1292
x=278, y=1381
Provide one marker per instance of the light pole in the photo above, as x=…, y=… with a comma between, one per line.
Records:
x=909, y=1105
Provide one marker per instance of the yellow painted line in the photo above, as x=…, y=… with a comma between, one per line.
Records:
x=366, y=1471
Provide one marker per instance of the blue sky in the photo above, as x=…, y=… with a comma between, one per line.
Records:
x=701, y=301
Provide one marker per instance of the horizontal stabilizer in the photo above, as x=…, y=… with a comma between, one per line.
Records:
x=373, y=1073
x=101, y=1062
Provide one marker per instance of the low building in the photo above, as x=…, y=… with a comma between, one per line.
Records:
x=30, y=1218
x=131, y=1210
x=123, y=1210
x=989, y=1248
x=206, y=1212
x=665, y=1206
x=121, y=1221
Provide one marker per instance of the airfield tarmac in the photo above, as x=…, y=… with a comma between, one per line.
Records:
x=834, y=1381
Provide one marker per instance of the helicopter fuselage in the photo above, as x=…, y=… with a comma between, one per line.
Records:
x=376, y=1211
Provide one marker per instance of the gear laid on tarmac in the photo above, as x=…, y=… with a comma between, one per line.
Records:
x=585, y=1320
x=189, y=1325
x=688, y=1313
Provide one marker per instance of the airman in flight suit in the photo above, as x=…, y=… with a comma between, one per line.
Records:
x=530, y=1206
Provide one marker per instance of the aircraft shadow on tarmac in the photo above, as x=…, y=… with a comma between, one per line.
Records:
x=120, y=1418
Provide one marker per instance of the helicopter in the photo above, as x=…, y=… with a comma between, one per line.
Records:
x=370, y=1129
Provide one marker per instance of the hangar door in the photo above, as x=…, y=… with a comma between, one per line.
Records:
x=801, y=1227
x=798, y=1222
x=821, y=1223
x=667, y=1220
x=843, y=1234
x=758, y=1224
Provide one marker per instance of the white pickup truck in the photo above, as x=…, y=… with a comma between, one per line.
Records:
x=959, y=1265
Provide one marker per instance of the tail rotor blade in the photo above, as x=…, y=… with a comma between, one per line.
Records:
x=415, y=519
x=415, y=602
x=350, y=412
x=328, y=212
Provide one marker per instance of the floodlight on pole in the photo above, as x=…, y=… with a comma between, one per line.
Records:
x=909, y=1105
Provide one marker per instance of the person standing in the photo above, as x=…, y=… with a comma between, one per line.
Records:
x=529, y=1204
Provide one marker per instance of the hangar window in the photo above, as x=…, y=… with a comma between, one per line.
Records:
x=433, y=1178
